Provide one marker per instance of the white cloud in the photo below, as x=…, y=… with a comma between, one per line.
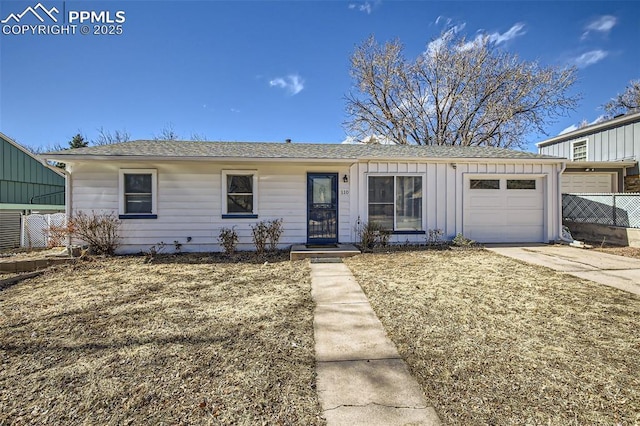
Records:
x=515, y=31
x=603, y=25
x=441, y=18
x=569, y=129
x=584, y=123
x=371, y=139
x=366, y=7
x=496, y=38
x=292, y=83
x=435, y=45
x=590, y=58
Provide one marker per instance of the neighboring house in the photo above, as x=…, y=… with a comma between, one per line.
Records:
x=26, y=185
x=603, y=157
x=166, y=191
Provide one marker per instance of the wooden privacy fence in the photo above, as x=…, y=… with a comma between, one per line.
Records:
x=35, y=229
x=621, y=209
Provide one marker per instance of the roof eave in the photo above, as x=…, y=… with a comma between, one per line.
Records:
x=629, y=118
x=38, y=158
x=70, y=158
x=137, y=158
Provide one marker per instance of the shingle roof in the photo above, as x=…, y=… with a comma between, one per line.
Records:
x=266, y=150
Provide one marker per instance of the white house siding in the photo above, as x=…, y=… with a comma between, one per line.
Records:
x=189, y=200
x=443, y=186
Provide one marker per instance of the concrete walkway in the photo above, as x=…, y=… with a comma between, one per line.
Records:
x=361, y=378
x=608, y=269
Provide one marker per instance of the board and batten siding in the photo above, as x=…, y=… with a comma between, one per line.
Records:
x=613, y=144
x=443, y=186
x=23, y=178
x=189, y=202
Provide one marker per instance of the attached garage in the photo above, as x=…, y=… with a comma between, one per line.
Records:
x=504, y=208
x=586, y=183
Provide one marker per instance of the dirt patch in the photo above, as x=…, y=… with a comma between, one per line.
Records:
x=182, y=340
x=620, y=251
x=496, y=341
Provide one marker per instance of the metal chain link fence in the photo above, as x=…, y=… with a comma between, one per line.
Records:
x=35, y=229
x=605, y=209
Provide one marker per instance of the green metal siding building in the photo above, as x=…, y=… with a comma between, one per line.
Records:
x=26, y=185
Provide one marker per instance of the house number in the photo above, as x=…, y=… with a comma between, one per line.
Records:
x=344, y=192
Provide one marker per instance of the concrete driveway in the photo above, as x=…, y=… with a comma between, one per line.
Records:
x=608, y=269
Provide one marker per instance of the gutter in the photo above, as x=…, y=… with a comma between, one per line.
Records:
x=132, y=158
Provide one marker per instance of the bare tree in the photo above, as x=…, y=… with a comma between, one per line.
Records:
x=106, y=137
x=167, y=133
x=199, y=137
x=627, y=101
x=457, y=92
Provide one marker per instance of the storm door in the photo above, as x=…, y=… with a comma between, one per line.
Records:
x=322, y=208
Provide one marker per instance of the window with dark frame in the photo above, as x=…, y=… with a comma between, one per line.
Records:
x=395, y=202
x=484, y=183
x=138, y=196
x=521, y=184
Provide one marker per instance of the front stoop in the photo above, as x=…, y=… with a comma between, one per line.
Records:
x=302, y=251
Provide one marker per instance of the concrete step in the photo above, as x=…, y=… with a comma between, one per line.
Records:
x=306, y=251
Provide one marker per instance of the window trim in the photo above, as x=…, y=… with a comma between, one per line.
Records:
x=223, y=202
x=423, y=203
x=154, y=194
x=586, y=149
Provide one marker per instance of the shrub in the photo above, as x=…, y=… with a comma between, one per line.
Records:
x=154, y=250
x=274, y=232
x=462, y=241
x=434, y=237
x=228, y=237
x=98, y=230
x=371, y=235
x=260, y=235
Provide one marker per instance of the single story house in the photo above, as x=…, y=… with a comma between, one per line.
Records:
x=603, y=157
x=166, y=191
x=26, y=186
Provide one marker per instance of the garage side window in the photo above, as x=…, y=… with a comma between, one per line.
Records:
x=138, y=193
x=484, y=184
x=395, y=202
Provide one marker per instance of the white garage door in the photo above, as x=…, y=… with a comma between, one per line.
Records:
x=576, y=183
x=504, y=210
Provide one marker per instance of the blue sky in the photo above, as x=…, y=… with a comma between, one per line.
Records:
x=271, y=70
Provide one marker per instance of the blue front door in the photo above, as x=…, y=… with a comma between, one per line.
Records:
x=322, y=208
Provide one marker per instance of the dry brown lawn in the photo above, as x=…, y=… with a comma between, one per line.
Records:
x=496, y=341
x=620, y=251
x=183, y=340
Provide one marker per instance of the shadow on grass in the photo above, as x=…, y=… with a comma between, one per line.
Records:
x=248, y=257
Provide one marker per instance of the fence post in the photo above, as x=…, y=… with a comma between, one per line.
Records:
x=615, y=219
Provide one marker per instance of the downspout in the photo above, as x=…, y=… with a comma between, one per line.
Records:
x=567, y=238
x=67, y=194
